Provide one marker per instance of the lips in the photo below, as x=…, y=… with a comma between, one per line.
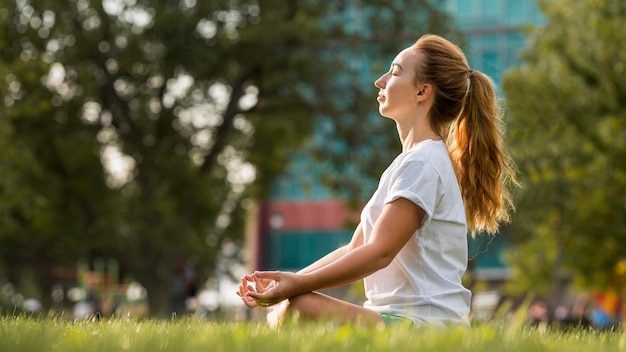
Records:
x=380, y=98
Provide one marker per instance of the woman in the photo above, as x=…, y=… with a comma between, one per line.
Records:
x=411, y=244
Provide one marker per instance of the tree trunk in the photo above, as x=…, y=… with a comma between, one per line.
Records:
x=158, y=298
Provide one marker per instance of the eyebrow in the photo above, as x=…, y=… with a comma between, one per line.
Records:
x=400, y=67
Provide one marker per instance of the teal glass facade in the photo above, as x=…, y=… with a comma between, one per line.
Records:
x=301, y=181
x=293, y=250
x=493, y=31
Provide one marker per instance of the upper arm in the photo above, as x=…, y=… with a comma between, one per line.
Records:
x=396, y=225
x=357, y=238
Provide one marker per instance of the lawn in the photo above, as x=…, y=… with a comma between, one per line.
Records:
x=23, y=333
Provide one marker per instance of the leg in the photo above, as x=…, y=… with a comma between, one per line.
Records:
x=316, y=306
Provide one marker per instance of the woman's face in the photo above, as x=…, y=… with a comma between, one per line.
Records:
x=398, y=95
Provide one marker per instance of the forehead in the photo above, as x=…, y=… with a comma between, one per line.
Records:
x=407, y=55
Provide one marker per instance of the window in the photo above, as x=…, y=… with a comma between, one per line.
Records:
x=491, y=7
x=516, y=12
x=491, y=65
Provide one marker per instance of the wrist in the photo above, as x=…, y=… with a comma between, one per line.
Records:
x=307, y=282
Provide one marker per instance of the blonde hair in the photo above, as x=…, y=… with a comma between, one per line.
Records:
x=465, y=113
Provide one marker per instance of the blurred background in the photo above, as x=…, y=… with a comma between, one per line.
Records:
x=152, y=152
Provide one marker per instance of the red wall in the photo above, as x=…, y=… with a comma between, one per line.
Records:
x=319, y=215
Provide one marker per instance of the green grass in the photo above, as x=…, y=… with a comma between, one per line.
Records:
x=23, y=333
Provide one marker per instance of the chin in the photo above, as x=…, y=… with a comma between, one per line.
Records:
x=385, y=115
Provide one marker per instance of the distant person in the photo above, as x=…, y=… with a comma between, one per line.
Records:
x=411, y=244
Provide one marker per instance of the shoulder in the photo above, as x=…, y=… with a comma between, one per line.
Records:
x=431, y=153
x=431, y=157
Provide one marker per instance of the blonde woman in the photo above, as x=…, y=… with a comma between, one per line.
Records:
x=411, y=244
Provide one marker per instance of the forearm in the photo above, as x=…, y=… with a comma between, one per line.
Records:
x=354, y=265
x=325, y=260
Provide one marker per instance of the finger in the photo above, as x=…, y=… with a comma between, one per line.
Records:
x=248, y=301
x=246, y=279
x=272, y=275
x=255, y=295
x=251, y=303
x=268, y=283
x=243, y=285
x=264, y=302
x=260, y=287
x=261, y=298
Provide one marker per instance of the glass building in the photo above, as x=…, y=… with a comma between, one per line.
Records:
x=493, y=31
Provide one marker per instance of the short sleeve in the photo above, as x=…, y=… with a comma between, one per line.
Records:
x=417, y=182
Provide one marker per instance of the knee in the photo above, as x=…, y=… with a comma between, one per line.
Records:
x=303, y=304
x=276, y=314
x=296, y=301
x=293, y=308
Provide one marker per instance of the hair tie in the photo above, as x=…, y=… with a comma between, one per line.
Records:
x=469, y=81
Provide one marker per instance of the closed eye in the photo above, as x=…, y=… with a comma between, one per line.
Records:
x=395, y=69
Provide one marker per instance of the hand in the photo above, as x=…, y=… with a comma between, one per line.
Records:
x=284, y=285
x=260, y=287
x=244, y=288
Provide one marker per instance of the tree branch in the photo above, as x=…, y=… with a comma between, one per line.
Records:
x=223, y=131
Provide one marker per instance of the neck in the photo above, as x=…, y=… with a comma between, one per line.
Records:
x=415, y=128
x=413, y=137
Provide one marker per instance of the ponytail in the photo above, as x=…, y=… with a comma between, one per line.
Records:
x=484, y=168
x=466, y=115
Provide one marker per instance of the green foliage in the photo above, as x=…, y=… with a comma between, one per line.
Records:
x=567, y=130
x=27, y=334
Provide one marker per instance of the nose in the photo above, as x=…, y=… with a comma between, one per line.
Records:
x=380, y=82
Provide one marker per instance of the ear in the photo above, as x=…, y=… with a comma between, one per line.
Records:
x=424, y=92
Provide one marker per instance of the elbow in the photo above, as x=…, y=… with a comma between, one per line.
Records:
x=383, y=259
x=377, y=258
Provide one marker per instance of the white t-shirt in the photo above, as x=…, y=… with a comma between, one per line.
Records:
x=423, y=282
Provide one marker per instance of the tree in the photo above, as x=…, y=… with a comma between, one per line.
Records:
x=567, y=130
x=138, y=127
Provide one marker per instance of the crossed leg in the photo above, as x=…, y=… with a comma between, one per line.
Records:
x=316, y=306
